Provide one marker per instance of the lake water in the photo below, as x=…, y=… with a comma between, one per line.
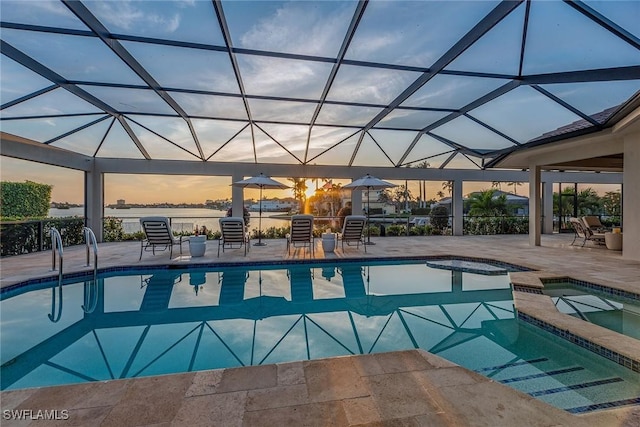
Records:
x=182, y=219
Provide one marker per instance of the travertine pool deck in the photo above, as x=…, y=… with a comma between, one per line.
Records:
x=400, y=388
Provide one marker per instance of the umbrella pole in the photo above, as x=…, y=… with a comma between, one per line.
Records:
x=369, y=242
x=260, y=223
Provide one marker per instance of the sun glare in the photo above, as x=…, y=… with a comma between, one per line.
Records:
x=311, y=188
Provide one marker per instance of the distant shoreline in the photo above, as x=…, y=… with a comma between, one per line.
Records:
x=168, y=205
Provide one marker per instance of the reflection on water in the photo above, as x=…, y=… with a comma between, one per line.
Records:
x=166, y=321
x=287, y=313
x=613, y=312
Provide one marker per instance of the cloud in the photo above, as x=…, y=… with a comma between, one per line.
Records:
x=297, y=27
x=283, y=77
x=127, y=15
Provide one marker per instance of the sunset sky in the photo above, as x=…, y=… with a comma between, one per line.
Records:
x=68, y=185
x=284, y=88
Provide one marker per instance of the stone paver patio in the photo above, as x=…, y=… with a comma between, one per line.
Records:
x=400, y=388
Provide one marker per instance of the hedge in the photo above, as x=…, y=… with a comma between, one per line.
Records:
x=24, y=199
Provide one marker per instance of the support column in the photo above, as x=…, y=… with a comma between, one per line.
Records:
x=457, y=208
x=94, y=202
x=356, y=202
x=535, y=205
x=237, y=197
x=631, y=198
x=547, y=208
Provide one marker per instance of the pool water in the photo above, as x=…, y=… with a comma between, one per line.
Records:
x=161, y=321
x=613, y=312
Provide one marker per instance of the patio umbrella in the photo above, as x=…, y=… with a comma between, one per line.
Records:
x=260, y=181
x=369, y=183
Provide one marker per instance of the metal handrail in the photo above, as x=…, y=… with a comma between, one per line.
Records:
x=56, y=242
x=90, y=296
x=91, y=292
x=52, y=316
x=90, y=240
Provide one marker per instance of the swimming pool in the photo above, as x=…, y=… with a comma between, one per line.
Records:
x=615, y=312
x=168, y=320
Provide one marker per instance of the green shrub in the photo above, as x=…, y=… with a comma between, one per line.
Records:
x=396, y=230
x=112, y=229
x=420, y=230
x=373, y=229
x=496, y=225
x=271, y=233
x=439, y=218
x=24, y=199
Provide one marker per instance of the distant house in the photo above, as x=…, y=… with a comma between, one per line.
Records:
x=374, y=204
x=520, y=204
x=273, y=206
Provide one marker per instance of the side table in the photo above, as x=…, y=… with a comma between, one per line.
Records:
x=613, y=241
x=328, y=242
x=197, y=245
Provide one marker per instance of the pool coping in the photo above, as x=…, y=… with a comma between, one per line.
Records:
x=533, y=307
x=106, y=271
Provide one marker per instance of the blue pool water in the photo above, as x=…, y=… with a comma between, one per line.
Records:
x=610, y=311
x=152, y=322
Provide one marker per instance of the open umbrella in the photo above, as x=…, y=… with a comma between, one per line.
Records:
x=369, y=183
x=260, y=181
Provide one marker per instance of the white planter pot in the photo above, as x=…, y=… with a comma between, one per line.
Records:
x=328, y=242
x=197, y=245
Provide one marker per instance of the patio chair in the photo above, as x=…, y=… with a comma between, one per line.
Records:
x=233, y=233
x=301, y=232
x=593, y=222
x=353, y=231
x=585, y=233
x=157, y=231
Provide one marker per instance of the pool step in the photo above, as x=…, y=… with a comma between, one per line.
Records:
x=579, y=390
x=511, y=365
x=575, y=386
x=542, y=375
x=605, y=405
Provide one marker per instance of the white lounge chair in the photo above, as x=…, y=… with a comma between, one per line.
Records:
x=353, y=231
x=233, y=233
x=593, y=222
x=157, y=231
x=301, y=232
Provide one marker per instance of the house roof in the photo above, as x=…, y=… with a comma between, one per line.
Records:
x=340, y=83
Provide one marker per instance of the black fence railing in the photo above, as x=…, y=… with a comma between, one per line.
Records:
x=23, y=237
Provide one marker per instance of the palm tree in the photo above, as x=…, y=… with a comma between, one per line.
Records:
x=332, y=196
x=515, y=184
x=486, y=203
x=448, y=186
x=496, y=184
x=299, y=190
x=440, y=194
x=423, y=185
